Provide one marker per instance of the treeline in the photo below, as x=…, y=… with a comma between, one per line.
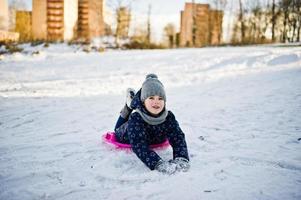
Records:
x=256, y=22
x=267, y=22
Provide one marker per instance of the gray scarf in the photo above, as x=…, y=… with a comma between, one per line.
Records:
x=153, y=120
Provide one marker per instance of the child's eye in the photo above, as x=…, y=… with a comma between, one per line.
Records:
x=152, y=98
x=160, y=98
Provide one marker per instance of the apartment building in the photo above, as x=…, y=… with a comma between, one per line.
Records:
x=200, y=25
x=57, y=20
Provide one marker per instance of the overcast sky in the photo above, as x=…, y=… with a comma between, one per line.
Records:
x=158, y=6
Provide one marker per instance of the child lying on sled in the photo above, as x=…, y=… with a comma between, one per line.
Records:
x=145, y=120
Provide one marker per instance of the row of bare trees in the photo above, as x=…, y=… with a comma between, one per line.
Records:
x=123, y=19
x=267, y=21
x=257, y=21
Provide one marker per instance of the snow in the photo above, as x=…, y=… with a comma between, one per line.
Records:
x=240, y=108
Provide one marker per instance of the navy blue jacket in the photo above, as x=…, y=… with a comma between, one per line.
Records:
x=140, y=135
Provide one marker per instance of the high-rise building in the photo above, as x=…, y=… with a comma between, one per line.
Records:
x=39, y=19
x=23, y=25
x=200, y=26
x=4, y=15
x=5, y=34
x=54, y=19
x=90, y=19
x=67, y=19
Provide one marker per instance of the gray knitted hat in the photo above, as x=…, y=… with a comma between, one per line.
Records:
x=151, y=87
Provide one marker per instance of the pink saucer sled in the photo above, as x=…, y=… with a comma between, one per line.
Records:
x=110, y=138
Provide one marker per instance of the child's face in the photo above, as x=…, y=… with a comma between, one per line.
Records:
x=154, y=104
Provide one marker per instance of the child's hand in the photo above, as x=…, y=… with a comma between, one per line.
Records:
x=166, y=167
x=182, y=164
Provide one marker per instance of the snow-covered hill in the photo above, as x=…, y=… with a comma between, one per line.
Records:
x=240, y=108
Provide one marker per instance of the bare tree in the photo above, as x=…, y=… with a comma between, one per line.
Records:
x=139, y=34
x=274, y=18
x=241, y=20
x=239, y=28
x=285, y=10
x=253, y=29
x=291, y=20
x=298, y=11
x=149, y=24
x=170, y=33
x=123, y=19
x=256, y=18
x=258, y=22
x=296, y=20
x=122, y=13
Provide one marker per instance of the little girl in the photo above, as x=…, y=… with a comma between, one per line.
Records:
x=144, y=120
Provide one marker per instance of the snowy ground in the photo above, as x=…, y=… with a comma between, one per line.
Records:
x=240, y=109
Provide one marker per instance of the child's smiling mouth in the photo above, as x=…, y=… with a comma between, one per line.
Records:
x=156, y=107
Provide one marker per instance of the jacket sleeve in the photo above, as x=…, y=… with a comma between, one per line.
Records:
x=176, y=138
x=138, y=139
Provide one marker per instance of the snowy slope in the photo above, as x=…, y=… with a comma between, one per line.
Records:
x=240, y=109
